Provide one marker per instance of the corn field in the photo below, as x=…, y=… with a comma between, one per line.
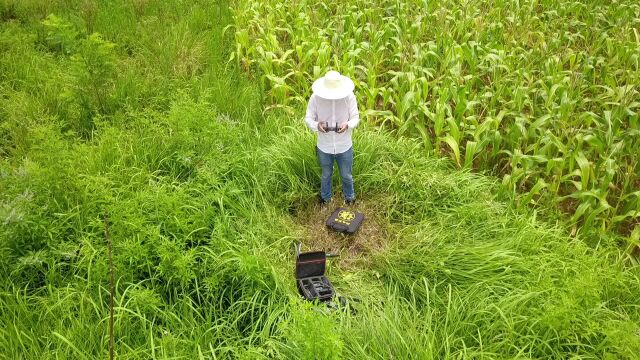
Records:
x=543, y=94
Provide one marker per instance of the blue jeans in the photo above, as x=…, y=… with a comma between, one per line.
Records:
x=345, y=165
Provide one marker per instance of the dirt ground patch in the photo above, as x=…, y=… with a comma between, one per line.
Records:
x=372, y=236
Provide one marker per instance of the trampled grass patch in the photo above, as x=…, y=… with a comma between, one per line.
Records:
x=355, y=250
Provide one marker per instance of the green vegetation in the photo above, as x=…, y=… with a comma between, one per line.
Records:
x=130, y=109
x=542, y=93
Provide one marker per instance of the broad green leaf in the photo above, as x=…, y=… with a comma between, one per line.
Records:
x=453, y=145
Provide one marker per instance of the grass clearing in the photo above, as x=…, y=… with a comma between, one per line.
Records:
x=355, y=250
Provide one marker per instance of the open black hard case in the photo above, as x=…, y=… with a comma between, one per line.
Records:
x=310, y=269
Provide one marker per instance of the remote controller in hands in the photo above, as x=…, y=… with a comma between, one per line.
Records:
x=330, y=128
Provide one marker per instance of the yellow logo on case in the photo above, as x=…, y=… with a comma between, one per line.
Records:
x=345, y=217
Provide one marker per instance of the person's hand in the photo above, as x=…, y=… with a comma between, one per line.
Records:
x=343, y=128
x=321, y=127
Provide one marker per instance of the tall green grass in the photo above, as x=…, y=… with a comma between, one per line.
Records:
x=199, y=188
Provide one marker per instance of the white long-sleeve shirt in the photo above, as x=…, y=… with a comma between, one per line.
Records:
x=334, y=113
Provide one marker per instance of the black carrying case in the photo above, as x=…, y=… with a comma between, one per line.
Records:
x=345, y=221
x=312, y=283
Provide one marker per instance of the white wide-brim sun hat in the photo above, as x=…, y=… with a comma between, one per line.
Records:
x=333, y=86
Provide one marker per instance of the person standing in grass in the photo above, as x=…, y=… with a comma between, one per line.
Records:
x=332, y=113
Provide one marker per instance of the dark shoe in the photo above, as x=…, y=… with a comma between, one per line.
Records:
x=322, y=201
x=350, y=201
